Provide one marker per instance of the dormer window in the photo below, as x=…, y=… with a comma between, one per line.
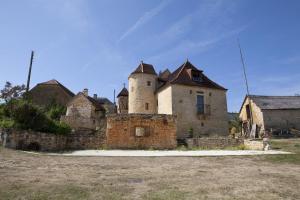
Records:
x=196, y=76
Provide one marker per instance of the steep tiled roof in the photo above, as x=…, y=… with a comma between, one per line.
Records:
x=183, y=75
x=276, y=102
x=164, y=75
x=144, y=68
x=124, y=92
x=55, y=82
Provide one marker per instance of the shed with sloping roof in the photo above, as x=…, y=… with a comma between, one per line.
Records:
x=271, y=112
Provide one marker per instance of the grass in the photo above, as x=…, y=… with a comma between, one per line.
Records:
x=61, y=192
x=290, y=145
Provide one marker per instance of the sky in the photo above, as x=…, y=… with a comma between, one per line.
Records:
x=96, y=44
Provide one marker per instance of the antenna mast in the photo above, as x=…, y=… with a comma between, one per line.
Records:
x=29, y=72
x=246, y=81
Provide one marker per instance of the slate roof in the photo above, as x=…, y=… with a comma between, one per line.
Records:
x=182, y=75
x=144, y=68
x=164, y=75
x=276, y=102
x=104, y=100
x=55, y=82
x=124, y=92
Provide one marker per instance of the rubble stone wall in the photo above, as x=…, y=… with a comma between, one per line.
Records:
x=31, y=140
x=141, y=131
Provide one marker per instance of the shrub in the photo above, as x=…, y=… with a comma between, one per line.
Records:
x=62, y=128
x=25, y=115
x=6, y=123
x=28, y=116
x=55, y=111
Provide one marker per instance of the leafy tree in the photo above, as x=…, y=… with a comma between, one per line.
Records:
x=10, y=92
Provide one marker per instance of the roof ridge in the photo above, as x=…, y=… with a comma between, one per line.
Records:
x=254, y=95
x=176, y=77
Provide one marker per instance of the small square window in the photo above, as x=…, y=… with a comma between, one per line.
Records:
x=149, y=83
x=210, y=94
x=202, y=124
x=147, y=106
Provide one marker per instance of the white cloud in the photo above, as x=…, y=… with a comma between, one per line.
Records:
x=145, y=18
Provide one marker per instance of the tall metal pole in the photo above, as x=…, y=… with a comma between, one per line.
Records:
x=29, y=72
x=246, y=81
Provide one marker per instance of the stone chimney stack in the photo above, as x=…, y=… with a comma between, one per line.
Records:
x=85, y=92
x=95, y=96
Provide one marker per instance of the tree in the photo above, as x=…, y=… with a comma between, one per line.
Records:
x=10, y=92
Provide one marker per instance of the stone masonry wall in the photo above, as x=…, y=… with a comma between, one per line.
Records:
x=184, y=101
x=211, y=143
x=141, y=131
x=30, y=140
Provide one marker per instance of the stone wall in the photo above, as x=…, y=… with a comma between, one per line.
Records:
x=141, y=131
x=254, y=144
x=213, y=143
x=183, y=102
x=84, y=122
x=282, y=119
x=256, y=112
x=30, y=140
x=140, y=93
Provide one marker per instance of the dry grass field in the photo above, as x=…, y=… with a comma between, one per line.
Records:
x=25, y=176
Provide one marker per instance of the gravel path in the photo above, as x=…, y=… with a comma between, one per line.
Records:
x=169, y=153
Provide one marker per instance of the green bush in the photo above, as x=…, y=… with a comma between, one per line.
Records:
x=6, y=123
x=62, y=128
x=25, y=115
x=55, y=112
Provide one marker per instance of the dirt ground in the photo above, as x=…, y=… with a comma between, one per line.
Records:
x=27, y=176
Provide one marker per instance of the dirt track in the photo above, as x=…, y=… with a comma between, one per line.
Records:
x=25, y=176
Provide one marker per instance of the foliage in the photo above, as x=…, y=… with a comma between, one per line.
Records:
x=10, y=92
x=24, y=115
x=234, y=125
x=56, y=111
x=6, y=123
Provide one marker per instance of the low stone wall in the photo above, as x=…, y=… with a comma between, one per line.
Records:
x=81, y=139
x=77, y=122
x=213, y=143
x=141, y=131
x=39, y=141
x=254, y=144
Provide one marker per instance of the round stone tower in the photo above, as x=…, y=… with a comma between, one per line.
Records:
x=142, y=86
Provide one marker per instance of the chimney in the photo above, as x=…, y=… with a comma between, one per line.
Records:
x=85, y=92
x=95, y=96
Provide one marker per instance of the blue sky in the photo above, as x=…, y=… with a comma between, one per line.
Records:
x=96, y=44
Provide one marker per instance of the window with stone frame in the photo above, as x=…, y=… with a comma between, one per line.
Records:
x=148, y=83
x=200, y=104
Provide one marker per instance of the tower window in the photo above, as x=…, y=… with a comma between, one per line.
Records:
x=149, y=83
x=147, y=106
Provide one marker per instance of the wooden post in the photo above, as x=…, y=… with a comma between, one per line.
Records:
x=29, y=72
